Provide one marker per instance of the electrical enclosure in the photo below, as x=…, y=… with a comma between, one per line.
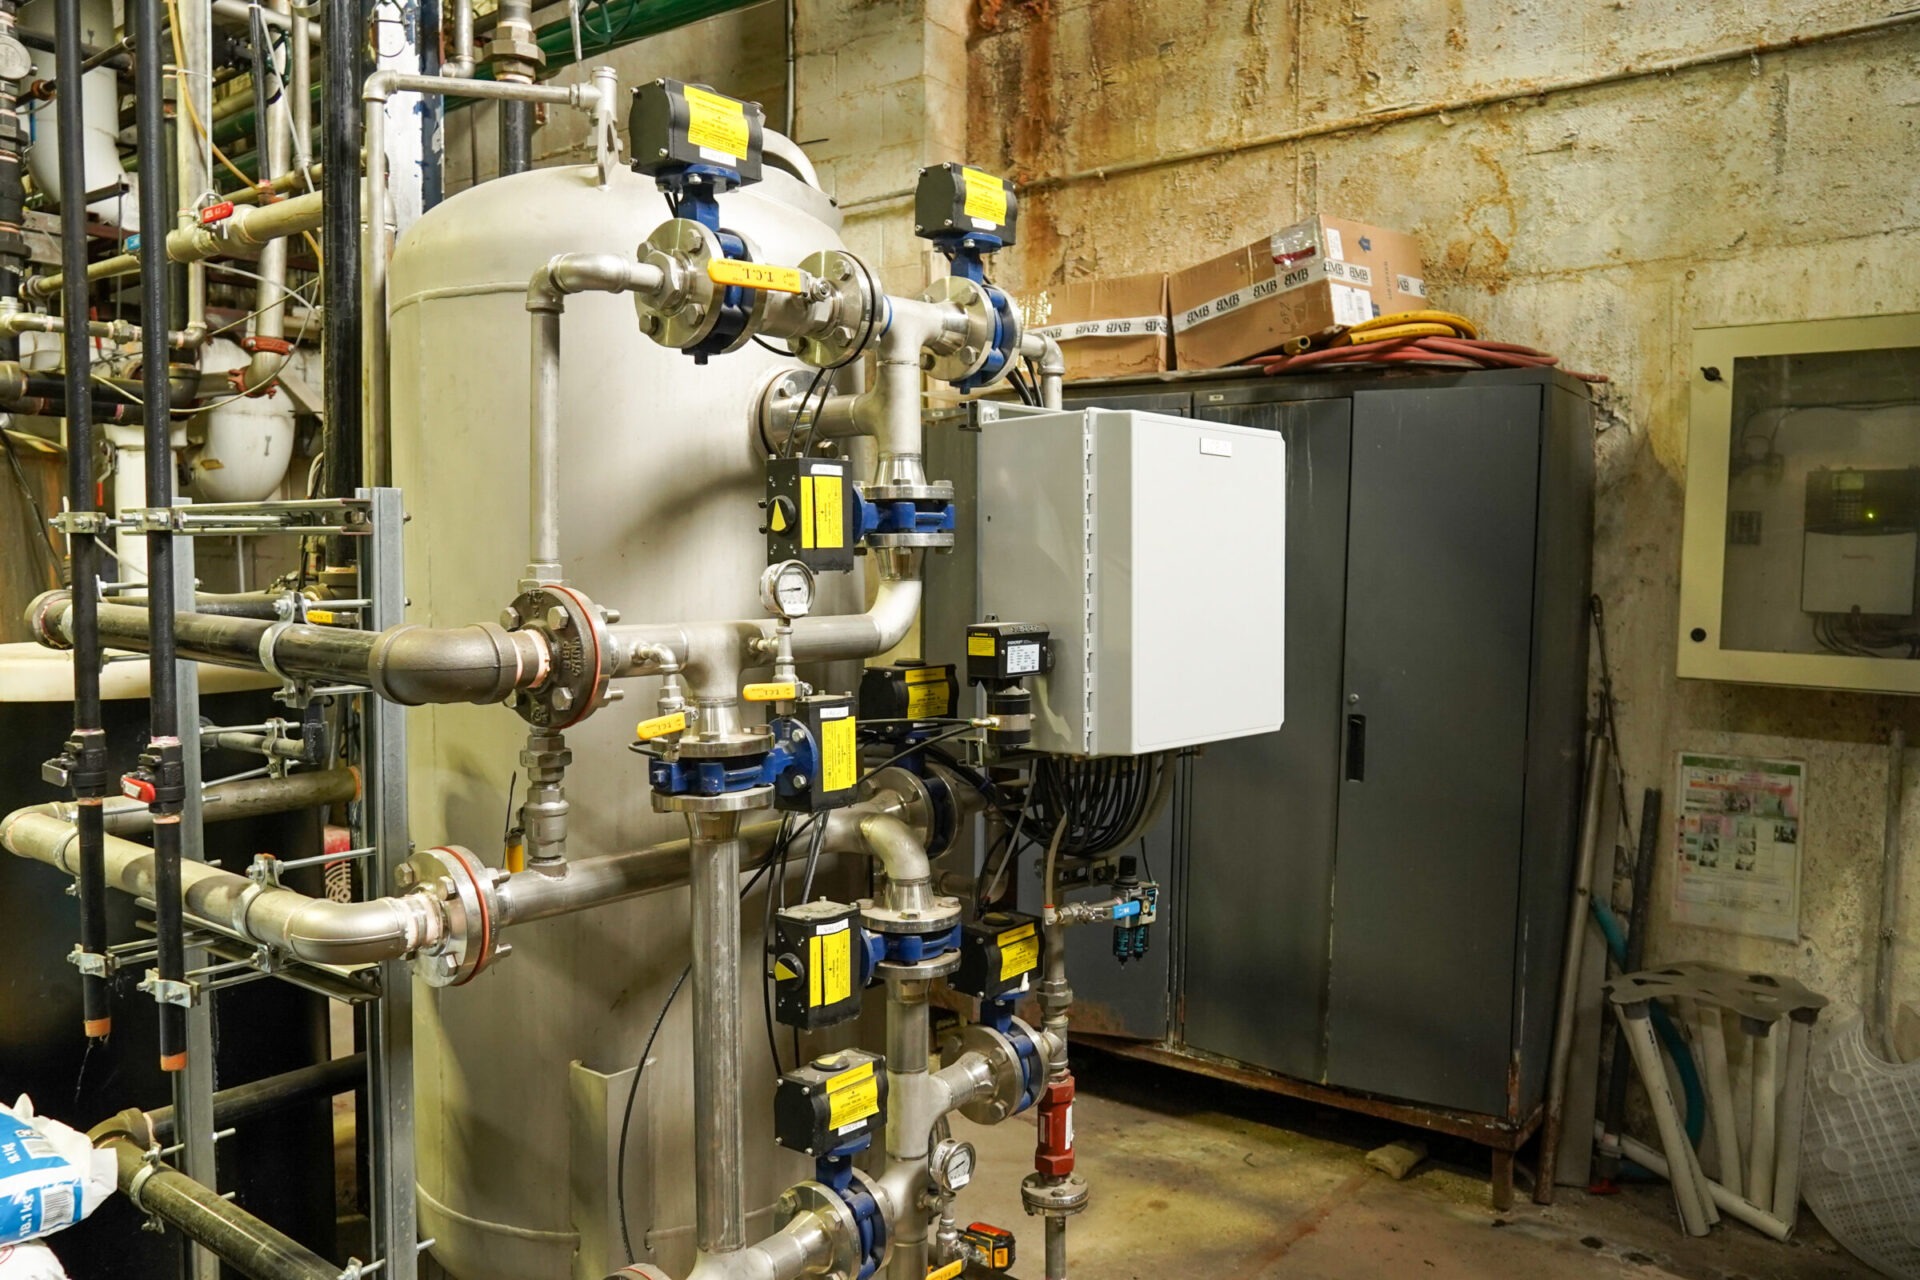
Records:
x=1149, y=546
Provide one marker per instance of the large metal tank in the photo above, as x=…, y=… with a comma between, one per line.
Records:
x=658, y=519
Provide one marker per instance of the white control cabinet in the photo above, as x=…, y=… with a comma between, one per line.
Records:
x=1154, y=549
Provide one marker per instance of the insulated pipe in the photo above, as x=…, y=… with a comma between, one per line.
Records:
x=249, y=225
x=202, y=1215
x=193, y=154
x=317, y=930
x=547, y=292
x=260, y=1097
x=406, y=664
x=300, y=69
x=226, y=801
x=239, y=12
x=719, y=1134
x=380, y=86
x=82, y=547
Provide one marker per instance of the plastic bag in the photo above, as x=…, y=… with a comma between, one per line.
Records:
x=29, y=1261
x=50, y=1176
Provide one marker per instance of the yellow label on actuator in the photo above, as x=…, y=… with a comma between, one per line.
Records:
x=716, y=123
x=928, y=701
x=829, y=967
x=979, y=646
x=1019, y=951
x=852, y=1096
x=822, y=513
x=986, y=196
x=757, y=275
x=660, y=726
x=839, y=755
x=770, y=692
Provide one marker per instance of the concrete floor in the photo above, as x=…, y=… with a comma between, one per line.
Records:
x=1233, y=1185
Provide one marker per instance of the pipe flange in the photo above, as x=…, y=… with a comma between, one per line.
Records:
x=941, y=915
x=725, y=802
x=687, y=312
x=957, y=358
x=746, y=742
x=836, y=1220
x=580, y=659
x=1054, y=1198
x=853, y=315
x=910, y=541
x=930, y=491
x=468, y=903
x=923, y=970
x=1003, y=1068
x=776, y=406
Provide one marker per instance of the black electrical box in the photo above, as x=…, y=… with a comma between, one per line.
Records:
x=908, y=691
x=831, y=1103
x=999, y=954
x=816, y=965
x=998, y=652
x=810, y=513
x=827, y=722
x=958, y=199
x=672, y=125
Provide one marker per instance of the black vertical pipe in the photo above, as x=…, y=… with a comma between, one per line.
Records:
x=516, y=137
x=85, y=760
x=433, y=107
x=161, y=763
x=13, y=244
x=340, y=242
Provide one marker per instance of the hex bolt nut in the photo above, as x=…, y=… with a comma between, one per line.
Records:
x=558, y=619
x=563, y=699
x=510, y=618
x=406, y=875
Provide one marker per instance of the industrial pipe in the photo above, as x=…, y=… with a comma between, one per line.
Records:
x=406, y=664
x=317, y=930
x=87, y=747
x=225, y=801
x=249, y=225
x=459, y=65
x=380, y=86
x=224, y=1228
x=267, y=344
x=719, y=1133
x=902, y=855
x=341, y=449
x=547, y=292
x=260, y=1097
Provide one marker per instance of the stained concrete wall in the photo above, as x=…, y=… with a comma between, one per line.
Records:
x=1603, y=223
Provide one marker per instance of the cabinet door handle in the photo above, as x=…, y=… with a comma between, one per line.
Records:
x=1356, y=748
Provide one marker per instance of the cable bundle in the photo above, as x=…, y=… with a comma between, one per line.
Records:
x=1424, y=339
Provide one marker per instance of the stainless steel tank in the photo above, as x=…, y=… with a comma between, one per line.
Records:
x=660, y=480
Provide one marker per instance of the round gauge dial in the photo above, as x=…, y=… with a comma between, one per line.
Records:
x=786, y=589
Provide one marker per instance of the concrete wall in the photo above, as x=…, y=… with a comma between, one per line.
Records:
x=1603, y=223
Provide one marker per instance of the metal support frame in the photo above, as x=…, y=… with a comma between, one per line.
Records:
x=388, y=1021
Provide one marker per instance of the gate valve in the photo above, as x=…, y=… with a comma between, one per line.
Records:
x=216, y=213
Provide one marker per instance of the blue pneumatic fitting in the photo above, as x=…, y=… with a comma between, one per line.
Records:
x=998, y=1014
x=928, y=515
x=912, y=948
x=835, y=1172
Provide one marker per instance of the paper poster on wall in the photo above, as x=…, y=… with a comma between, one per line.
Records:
x=1737, y=856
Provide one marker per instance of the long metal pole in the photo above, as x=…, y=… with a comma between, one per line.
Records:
x=87, y=751
x=1883, y=964
x=343, y=34
x=1638, y=912
x=1599, y=759
x=163, y=746
x=719, y=1134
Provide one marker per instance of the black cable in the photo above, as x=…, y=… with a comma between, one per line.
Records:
x=33, y=505
x=626, y=1121
x=766, y=938
x=800, y=412
x=813, y=860
x=918, y=746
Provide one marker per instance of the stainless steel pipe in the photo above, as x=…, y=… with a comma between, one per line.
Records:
x=227, y=801
x=406, y=664
x=719, y=1131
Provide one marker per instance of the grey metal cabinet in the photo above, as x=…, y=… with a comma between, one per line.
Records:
x=1374, y=896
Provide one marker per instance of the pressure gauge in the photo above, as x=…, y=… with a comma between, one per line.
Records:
x=786, y=589
x=951, y=1164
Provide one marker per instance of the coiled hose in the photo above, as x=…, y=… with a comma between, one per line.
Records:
x=1427, y=339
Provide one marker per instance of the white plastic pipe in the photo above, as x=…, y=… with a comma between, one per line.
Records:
x=1766, y=1084
x=1730, y=1204
x=1637, y=1027
x=1710, y=1036
x=1793, y=1106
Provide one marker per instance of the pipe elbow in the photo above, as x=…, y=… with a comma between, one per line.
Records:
x=322, y=931
x=47, y=618
x=901, y=856
x=482, y=663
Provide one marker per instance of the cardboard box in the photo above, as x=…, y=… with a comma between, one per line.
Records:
x=1306, y=282
x=1106, y=328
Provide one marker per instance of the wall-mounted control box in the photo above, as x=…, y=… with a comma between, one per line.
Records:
x=1153, y=549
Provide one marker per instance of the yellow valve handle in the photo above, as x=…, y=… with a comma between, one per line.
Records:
x=660, y=726
x=757, y=275
x=325, y=617
x=770, y=692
